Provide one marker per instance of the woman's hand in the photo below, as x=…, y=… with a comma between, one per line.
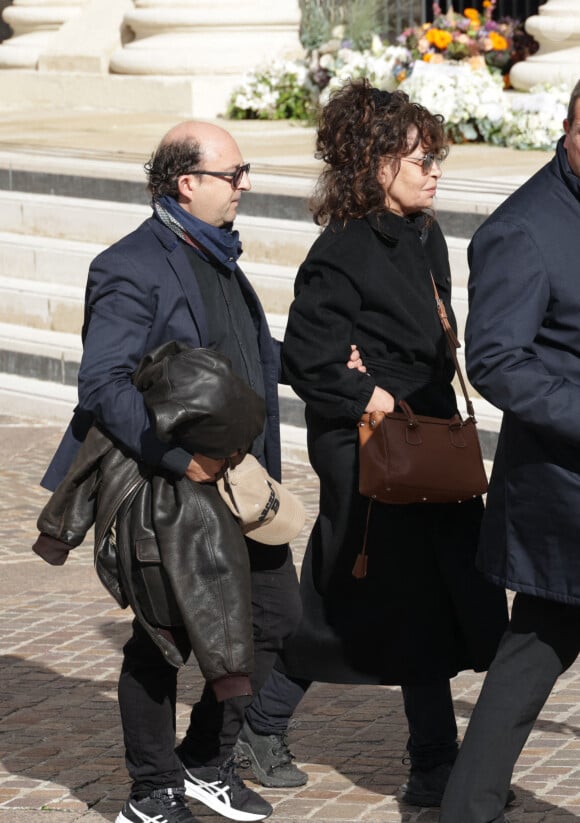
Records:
x=355, y=359
x=381, y=401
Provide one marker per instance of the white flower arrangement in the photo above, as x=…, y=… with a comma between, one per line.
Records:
x=278, y=91
x=377, y=64
x=472, y=101
x=534, y=119
x=471, y=98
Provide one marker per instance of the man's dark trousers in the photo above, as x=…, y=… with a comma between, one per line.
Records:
x=543, y=640
x=148, y=684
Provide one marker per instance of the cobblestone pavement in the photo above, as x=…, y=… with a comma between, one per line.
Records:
x=61, y=754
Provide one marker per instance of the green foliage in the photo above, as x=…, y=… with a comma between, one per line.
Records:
x=361, y=19
x=281, y=91
x=316, y=24
x=358, y=18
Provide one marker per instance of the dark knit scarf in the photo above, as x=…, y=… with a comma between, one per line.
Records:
x=215, y=244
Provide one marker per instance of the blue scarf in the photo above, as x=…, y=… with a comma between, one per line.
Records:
x=219, y=244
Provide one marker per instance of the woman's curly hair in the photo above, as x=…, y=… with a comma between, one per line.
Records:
x=168, y=163
x=358, y=127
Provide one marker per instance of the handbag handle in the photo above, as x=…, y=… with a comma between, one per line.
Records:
x=453, y=344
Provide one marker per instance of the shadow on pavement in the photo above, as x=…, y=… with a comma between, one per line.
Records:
x=64, y=730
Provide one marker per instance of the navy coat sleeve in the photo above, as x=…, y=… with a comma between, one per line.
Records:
x=510, y=341
x=122, y=305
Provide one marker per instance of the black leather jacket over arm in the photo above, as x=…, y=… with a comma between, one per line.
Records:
x=167, y=547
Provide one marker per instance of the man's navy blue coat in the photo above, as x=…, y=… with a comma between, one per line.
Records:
x=142, y=292
x=523, y=355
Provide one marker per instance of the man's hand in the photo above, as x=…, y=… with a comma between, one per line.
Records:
x=355, y=360
x=204, y=469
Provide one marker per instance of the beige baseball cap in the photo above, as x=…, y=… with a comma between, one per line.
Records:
x=267, y=512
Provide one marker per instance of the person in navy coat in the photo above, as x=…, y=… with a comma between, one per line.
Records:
x=176, y=278
x=523, y=355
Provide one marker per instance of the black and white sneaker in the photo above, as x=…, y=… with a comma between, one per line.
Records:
x=161, y=806
x=223, y=790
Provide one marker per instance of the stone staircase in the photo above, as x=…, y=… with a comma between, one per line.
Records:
x=54, y=223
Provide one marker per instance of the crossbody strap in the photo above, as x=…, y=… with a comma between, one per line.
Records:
x=453, y=344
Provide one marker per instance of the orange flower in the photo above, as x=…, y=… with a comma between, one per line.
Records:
x=439, y=38
x=498, y=43
x=472, y=14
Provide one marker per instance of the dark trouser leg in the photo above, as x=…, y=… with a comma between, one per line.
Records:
x=432, y=727
x=542, y=641
x=147, y=696
x=429, y=709
x=214, y=727
x=271, y=709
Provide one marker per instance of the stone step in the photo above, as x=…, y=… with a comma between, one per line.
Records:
x=42, y=278
x=90, y=225
x=38, y=372
x=53, y=402
x=28, y=397
x=48, y=241
x=41, y=304
x=266, y=239
x=70, y=218
x=40, y=354
x=56, y=306
x=46, y=259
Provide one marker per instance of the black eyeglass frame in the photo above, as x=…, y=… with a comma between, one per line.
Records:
x=235, y=175
x=426, y=162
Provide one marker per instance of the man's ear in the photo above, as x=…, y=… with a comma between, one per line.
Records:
x=186, y=186
x=566, y=125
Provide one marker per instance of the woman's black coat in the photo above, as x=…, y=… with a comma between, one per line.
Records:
x=422, y=611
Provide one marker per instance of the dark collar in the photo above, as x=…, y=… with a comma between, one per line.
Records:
x=392, y=226
x=570, y=179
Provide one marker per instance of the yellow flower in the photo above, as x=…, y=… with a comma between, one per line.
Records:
x=439, y=38
x=498, y=43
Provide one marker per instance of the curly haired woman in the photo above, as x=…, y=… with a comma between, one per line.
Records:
x=423, y=612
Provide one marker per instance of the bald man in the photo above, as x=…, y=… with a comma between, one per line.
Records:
x=177, y=278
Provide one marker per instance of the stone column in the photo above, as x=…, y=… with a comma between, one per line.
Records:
x=211, y=41
x=86, y=42
x=34, y=23
x=557, y=29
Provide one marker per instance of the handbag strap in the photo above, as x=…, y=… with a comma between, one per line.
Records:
x=453, y=344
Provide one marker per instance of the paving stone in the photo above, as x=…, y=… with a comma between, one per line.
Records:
x=62, y=747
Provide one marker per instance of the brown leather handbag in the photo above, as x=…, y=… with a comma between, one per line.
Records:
x=410, y=458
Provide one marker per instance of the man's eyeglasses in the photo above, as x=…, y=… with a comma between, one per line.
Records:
x=426, y=162
x=234, y=177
